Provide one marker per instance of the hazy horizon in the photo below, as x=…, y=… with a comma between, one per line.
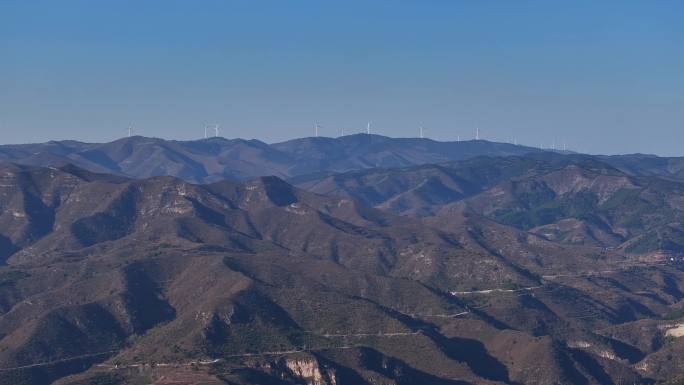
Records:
x=599, y=77
x=558, y=146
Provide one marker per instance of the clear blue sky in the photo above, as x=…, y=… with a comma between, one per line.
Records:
x=602, y=76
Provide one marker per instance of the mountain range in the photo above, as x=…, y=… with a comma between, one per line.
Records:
x=357, y=260
x=216, y=159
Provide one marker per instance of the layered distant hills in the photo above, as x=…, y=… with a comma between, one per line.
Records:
x=357, y=260
x=571, y=199
x=215, y=159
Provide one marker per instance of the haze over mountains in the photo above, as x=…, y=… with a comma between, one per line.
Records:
x=214, y=159
x=358, y=260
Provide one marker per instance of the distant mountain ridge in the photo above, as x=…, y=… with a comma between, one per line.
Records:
x=215, y=159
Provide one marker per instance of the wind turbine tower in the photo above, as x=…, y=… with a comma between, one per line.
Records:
x=477, y=133
x=368, y=128
x=216, y=130
x=130, y=130
x=421, y=132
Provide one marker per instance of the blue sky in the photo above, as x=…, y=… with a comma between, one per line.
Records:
x=601, y=76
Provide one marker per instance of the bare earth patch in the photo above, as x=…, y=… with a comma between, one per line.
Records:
x=677, y=331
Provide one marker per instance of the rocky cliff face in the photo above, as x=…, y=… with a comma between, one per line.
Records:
x=309, y=370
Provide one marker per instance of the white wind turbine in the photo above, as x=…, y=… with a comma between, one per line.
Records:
x=368, y=128
x=214, y=127
x=420, y=128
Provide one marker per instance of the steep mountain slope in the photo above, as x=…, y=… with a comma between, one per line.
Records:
x=262, y=215
x=423, y=190
x=570, y=199
x=118, y=280
x=648, y=165
x=640, y=214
